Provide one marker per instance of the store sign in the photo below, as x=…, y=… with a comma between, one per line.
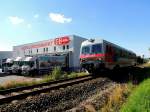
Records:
x=62, y=40
x=58, y=41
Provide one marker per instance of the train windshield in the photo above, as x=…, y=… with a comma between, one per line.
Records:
x=86, y=50
x=97, y=48
x=92, y=49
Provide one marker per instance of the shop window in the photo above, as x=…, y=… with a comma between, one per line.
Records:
x=46, y=49
x=63, y=47
x=54, y=48
x=37, y=50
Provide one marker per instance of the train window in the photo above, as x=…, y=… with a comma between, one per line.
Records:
x=86, y=50
x=107, y=48
x=97, y=48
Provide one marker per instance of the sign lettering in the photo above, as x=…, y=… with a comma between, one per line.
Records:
x=58, y=41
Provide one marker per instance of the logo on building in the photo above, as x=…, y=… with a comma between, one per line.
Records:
x=62, y=40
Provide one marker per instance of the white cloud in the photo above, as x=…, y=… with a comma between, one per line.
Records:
x=36, y=16
x=59, y=18
x=16, y=20
x=29, y=26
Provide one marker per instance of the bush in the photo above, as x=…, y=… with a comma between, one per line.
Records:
x=56, y=73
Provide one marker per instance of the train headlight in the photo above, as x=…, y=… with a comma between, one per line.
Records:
x=100, y=59
x=82, y=60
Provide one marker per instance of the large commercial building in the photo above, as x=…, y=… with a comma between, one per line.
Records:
x=69, y=44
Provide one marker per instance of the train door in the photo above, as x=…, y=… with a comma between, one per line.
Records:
x=109, y=53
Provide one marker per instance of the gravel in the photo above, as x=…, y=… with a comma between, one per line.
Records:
x=59, y=100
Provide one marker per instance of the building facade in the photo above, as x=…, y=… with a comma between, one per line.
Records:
x=69, y=44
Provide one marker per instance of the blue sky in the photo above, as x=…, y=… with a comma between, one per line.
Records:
x=124, y=22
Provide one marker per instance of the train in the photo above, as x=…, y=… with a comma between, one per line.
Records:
x=98, y=55
x=95, y=55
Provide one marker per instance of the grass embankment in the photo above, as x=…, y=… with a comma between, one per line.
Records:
x=130, y=97
x=139, y=100
x=117, y=97
x=56, y=74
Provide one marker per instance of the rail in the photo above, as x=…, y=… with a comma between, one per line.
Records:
x=50, y=86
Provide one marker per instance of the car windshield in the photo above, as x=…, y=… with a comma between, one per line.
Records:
x=30, y=63
x=86, y=50
x=18, y=63
x=97, y=48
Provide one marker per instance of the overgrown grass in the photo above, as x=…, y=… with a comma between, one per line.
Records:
x=139, y=100
x=56, y=74
x=145, y=65
x=117, y=97
x=17, y=83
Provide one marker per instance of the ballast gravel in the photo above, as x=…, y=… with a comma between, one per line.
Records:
x=59, y=100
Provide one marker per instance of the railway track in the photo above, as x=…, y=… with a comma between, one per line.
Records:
x=9, y=95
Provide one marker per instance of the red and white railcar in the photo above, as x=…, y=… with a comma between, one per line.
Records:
x=98, y=54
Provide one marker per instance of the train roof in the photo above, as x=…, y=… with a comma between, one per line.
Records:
x=96, y=41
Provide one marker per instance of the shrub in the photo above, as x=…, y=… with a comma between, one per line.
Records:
x=56, y=73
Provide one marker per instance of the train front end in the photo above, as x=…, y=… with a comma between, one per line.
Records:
x=92, y=55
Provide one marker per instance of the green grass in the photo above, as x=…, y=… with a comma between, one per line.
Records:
x=56, y=74
x=139, y=100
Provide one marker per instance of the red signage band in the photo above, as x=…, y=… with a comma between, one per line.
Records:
x=58, y=41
